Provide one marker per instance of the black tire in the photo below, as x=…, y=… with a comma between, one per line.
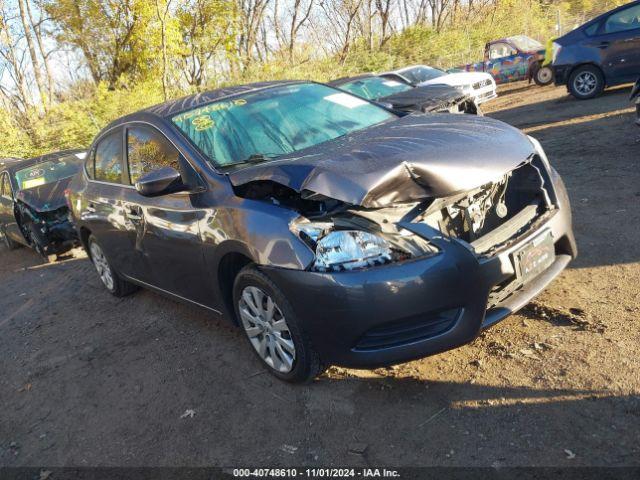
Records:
x=118, y=287
x=586, y=82
x=9, y=242
x=543, y=76
x=306, y=364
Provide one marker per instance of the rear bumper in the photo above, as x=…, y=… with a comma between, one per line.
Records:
x=401, y=312
x=561, y=74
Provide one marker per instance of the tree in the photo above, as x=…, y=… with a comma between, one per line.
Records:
x=111, y=34
x=208, y=30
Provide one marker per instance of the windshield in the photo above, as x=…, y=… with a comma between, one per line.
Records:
x=524, y=43
x=275, y=121
x=421, y=74
x=47, y=172
x=373, y=88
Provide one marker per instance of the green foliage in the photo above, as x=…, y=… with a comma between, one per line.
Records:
x=121, y=42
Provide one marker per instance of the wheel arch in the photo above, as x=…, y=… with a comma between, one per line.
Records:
x=228, y=267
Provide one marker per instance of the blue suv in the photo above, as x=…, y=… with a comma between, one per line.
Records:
x=601, y=53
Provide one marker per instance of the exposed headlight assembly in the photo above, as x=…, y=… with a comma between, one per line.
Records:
x=346, y=250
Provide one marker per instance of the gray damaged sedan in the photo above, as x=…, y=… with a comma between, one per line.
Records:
x=331, y=230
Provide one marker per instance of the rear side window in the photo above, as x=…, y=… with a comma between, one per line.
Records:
x=108, y=159
x=149, y=150
x=627, y=19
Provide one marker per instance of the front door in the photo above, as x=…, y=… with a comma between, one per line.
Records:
x=505, y=63
x=164, y=232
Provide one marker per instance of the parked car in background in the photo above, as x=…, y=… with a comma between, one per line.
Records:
x=330, y=229
x=635, y=96
x=603, y=52
x=33, y=209
x=399, y=95
x=480, y=86
x=512, y=59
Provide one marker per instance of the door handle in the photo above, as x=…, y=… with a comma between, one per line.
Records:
x=91, y=208
x=603, y=45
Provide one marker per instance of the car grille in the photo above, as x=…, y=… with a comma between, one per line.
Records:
x=408, y=331
x=481, y=84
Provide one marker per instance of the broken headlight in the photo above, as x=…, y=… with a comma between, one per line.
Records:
x=340, y=250
x=351, y=249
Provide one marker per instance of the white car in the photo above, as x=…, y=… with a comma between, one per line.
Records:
x=479, y=85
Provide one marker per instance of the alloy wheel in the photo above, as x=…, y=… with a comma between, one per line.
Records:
x=267, y=329
x=585, y=83
x=102, y=266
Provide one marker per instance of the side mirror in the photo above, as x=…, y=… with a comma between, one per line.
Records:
x=160, y=182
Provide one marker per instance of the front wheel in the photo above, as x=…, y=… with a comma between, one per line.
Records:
x=586, y=82
x=543, y=76
x=116, y=285
x=273, y=329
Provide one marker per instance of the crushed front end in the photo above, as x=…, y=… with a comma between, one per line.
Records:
x=469, y=260
x=50, y=232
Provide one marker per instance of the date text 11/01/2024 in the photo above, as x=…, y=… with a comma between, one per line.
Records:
x=316, y=473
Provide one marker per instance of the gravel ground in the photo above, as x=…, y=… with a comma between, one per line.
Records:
x=87, y=379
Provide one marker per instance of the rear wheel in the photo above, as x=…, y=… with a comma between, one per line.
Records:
x=116, y=285
x=543, y=76
x=273, y=329
x=586, y=82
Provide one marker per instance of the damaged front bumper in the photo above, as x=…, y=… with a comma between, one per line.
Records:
x=404, y=311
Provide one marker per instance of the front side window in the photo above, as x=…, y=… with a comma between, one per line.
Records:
x=47, y=172
x=108, y=159
x=627, y=19
x=373, y=88
x=148, y=150
x=421, y=74
x=500, y=50
x=275, y=121
x=5, y=187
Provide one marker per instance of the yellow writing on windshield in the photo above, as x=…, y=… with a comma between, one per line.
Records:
x=207, y=109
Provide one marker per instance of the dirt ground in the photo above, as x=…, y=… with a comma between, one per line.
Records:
x=87, y=379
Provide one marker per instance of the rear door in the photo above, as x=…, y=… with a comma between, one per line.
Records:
x=164, y=231
x=8, y=223
x=102, y=209
x=619, y=41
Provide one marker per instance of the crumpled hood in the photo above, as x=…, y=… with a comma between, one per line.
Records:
x=45, y=198
x=407, y=159
x=428, y=97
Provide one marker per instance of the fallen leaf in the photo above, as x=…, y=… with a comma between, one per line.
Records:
x=290, y=449
x=188, y=413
